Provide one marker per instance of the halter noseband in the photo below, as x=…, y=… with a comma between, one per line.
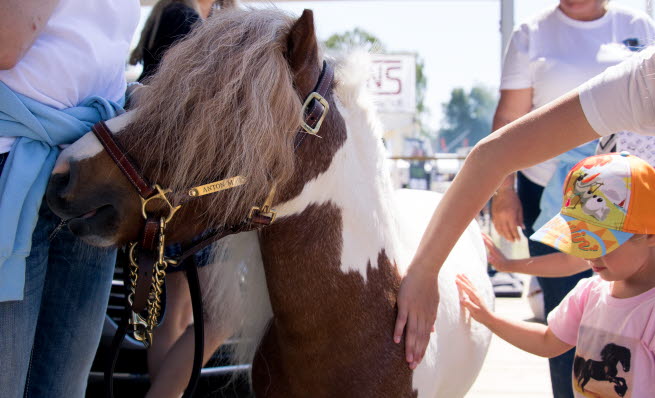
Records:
x=143, y=295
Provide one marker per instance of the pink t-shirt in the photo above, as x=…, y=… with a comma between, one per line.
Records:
x=614, y=339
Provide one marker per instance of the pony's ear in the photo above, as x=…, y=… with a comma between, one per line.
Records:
x=302, y=47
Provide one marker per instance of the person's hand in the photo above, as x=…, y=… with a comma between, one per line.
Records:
x=469, y=299
x=495, y=256
x=418, y=300
x=507, y=214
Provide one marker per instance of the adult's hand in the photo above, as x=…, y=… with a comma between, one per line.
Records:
x=495, y=256
x=418, y=300
x=507, y=214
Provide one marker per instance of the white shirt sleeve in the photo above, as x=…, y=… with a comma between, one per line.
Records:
x=646, y=24
x=622, y=97
x=516, y=64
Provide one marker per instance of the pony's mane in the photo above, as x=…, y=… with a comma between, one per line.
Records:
x=222, y=104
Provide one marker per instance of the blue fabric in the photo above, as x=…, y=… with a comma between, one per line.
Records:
x=39, y=128
x=551, y=198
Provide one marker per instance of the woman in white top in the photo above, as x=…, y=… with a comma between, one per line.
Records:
x=621, y=98
x=61, y=70
x=547, y=56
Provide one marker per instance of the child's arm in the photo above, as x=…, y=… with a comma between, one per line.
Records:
x=549, y=265
x=534, y=338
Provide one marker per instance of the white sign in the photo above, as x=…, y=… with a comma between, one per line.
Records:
x=393, y=82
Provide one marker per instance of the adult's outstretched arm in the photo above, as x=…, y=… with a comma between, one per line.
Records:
x=531, y=139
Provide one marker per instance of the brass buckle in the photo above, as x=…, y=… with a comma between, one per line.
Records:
x=161, y=194
x=262, y=211
x=139, y=323
x=140, y=330
x=309, y=129
x=266, y=209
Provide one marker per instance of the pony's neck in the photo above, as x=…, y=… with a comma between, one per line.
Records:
x=357, y=186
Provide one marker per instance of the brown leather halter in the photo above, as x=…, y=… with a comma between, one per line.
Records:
x=144, y=256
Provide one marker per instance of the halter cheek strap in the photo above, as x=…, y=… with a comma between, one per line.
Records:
x=122, y=160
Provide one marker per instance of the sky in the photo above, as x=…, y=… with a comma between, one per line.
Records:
x=459, y=40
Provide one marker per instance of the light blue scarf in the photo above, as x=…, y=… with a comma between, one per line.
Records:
x=40, y=129
x=551, y=198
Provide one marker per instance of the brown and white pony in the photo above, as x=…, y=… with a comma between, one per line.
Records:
x=317, y=289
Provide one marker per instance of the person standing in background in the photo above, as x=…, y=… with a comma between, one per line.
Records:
x=62, y=69
x=168, y=22
x=547, y=56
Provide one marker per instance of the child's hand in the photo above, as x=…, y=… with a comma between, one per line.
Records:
x=469, y=298
x=495, y=256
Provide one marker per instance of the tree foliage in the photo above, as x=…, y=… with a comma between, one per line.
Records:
x=356, y=38
x=467, y=117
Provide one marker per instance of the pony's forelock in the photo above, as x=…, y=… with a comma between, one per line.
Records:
x=221, y=105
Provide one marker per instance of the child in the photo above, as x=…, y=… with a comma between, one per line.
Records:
x=560, y=264
x=608, y=218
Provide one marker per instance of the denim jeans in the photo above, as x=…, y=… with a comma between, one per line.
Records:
x=554, y=289
x=48, y=340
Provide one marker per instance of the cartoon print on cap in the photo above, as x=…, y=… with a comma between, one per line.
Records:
x=592, y=195
x=584, y=193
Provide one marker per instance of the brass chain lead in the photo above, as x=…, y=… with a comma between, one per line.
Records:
x=156, y=287
x=138, y=323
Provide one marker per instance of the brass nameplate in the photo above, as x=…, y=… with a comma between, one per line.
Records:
x=217, y=186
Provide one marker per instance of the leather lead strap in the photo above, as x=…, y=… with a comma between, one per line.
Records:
x=198, y=328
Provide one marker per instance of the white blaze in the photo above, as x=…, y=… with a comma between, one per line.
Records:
x=89, y=146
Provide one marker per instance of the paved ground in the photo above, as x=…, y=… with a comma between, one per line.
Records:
x=509, y=372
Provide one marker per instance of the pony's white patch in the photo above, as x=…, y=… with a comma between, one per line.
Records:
x=372, y=222
x=89, y=146
x=456, y=351
x=119, y=122
x=367, y=227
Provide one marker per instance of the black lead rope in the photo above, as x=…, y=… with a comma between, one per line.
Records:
x=198, y=328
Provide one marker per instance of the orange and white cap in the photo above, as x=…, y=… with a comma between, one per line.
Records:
x=607, y=199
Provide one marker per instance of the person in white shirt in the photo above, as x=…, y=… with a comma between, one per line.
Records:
x=621, y=98
x=62, y=68
x=548, y=55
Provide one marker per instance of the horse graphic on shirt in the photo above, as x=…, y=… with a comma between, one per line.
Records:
x=605, y=369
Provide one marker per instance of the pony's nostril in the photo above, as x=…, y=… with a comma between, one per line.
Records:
x=58, y=184
x=63, y=184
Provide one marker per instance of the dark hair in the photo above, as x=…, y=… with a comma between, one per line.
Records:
x=151, y=26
